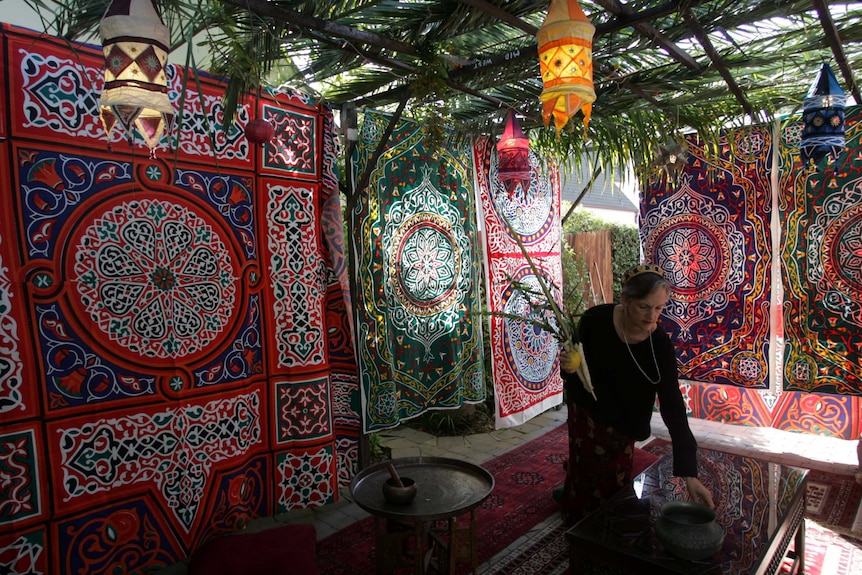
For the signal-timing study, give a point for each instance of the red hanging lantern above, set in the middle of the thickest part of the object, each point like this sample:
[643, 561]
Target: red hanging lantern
[513, 152]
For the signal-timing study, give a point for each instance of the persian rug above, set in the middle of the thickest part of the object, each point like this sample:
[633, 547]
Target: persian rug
[522, 499]
[828, 552]
[524, 480]
[708, 227]
[169, 324]
[546, 553]
[524, 359]
[832, 500]
[419, 340]
[821, 225]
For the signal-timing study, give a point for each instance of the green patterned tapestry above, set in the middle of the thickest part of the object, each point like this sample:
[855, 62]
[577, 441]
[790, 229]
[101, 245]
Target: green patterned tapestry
[822, 257]
[419, 340]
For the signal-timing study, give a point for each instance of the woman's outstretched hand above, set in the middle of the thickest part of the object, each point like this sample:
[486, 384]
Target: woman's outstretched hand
[698, 492]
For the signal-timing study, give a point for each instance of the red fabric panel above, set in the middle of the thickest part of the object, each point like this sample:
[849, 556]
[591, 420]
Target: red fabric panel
[283, 550]
[641, 460]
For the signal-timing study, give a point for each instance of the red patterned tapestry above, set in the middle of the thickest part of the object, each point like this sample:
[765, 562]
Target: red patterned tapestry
[722, 319]
[822, 264]
[419, 342]
[524, 360]
[708, 227]
[820, 413]
[175, 359]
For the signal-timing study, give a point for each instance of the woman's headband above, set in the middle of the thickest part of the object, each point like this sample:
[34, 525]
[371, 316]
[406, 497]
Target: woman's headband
[641, 269]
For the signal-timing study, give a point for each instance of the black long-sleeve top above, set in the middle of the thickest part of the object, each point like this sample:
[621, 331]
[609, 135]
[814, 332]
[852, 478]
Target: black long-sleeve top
[625, 398]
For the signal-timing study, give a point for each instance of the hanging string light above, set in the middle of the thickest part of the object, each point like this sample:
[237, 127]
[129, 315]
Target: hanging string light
[513, 152]
[823, 118]
[566, 60]
[135, 44]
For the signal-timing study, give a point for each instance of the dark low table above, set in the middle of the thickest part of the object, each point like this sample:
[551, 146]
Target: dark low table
[759, 504]
[404, 534]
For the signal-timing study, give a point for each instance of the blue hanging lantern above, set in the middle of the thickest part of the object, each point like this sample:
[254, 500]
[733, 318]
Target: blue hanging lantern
[823, 118]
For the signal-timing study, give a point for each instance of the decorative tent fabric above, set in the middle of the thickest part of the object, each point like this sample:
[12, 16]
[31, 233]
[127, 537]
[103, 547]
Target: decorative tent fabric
[808, 378]
[419, 342]
[343, 374]
[709, 230]
[171, 367]
[524, 360]
[822, 265]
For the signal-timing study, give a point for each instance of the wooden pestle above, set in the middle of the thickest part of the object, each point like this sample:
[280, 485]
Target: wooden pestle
[394, 475]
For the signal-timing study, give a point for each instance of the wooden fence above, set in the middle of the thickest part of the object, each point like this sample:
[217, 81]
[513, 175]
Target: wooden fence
[594, 248]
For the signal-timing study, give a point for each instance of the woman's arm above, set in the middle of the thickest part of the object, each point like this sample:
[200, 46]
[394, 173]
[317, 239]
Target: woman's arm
[672, 409]
[672, 406]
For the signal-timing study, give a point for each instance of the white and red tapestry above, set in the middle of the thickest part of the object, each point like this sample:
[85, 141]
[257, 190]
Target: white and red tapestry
[176, 359]
[524, 359]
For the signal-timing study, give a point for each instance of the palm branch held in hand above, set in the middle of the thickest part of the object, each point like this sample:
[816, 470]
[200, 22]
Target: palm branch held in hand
[546, 313]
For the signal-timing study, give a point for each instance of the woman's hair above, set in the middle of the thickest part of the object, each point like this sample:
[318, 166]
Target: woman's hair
[643, 281]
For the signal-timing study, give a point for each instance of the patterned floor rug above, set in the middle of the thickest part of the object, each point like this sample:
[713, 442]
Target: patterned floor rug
[524, 480]
[522, 500]
[826, 553]
[547, 553]
[832, 500]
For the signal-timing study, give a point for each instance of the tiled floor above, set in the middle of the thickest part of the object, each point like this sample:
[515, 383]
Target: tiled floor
[803, 450]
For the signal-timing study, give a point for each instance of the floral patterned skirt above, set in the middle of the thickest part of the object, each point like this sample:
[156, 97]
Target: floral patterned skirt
[600, 464]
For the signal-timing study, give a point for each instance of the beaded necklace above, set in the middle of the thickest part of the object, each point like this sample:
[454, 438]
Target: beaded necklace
[634, 359]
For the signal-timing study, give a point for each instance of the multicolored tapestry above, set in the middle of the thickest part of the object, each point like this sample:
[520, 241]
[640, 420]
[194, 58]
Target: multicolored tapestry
[174, 359]
[819, 413]
[419, 341]
[822, 264]
[343, 373]
[708, 227]
[806, 334]
[524, 360]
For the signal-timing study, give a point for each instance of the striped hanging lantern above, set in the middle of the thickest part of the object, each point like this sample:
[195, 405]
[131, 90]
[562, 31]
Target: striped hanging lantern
[566, 59]
[135, 44]
[513, 153]
[823, 118]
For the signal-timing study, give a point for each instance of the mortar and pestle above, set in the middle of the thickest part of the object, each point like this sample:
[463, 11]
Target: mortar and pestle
[398, 490]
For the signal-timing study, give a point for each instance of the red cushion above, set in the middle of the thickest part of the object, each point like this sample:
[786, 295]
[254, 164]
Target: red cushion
[287, 550]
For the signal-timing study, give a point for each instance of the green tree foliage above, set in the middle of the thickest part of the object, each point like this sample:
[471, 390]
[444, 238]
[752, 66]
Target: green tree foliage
[625, 253]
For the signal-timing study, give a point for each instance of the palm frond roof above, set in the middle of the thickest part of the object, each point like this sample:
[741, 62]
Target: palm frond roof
[660, 66]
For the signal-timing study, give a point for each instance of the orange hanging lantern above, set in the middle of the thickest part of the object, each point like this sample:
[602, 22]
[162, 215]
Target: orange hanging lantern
[566, 58]
[513, 152]
[135, 44]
